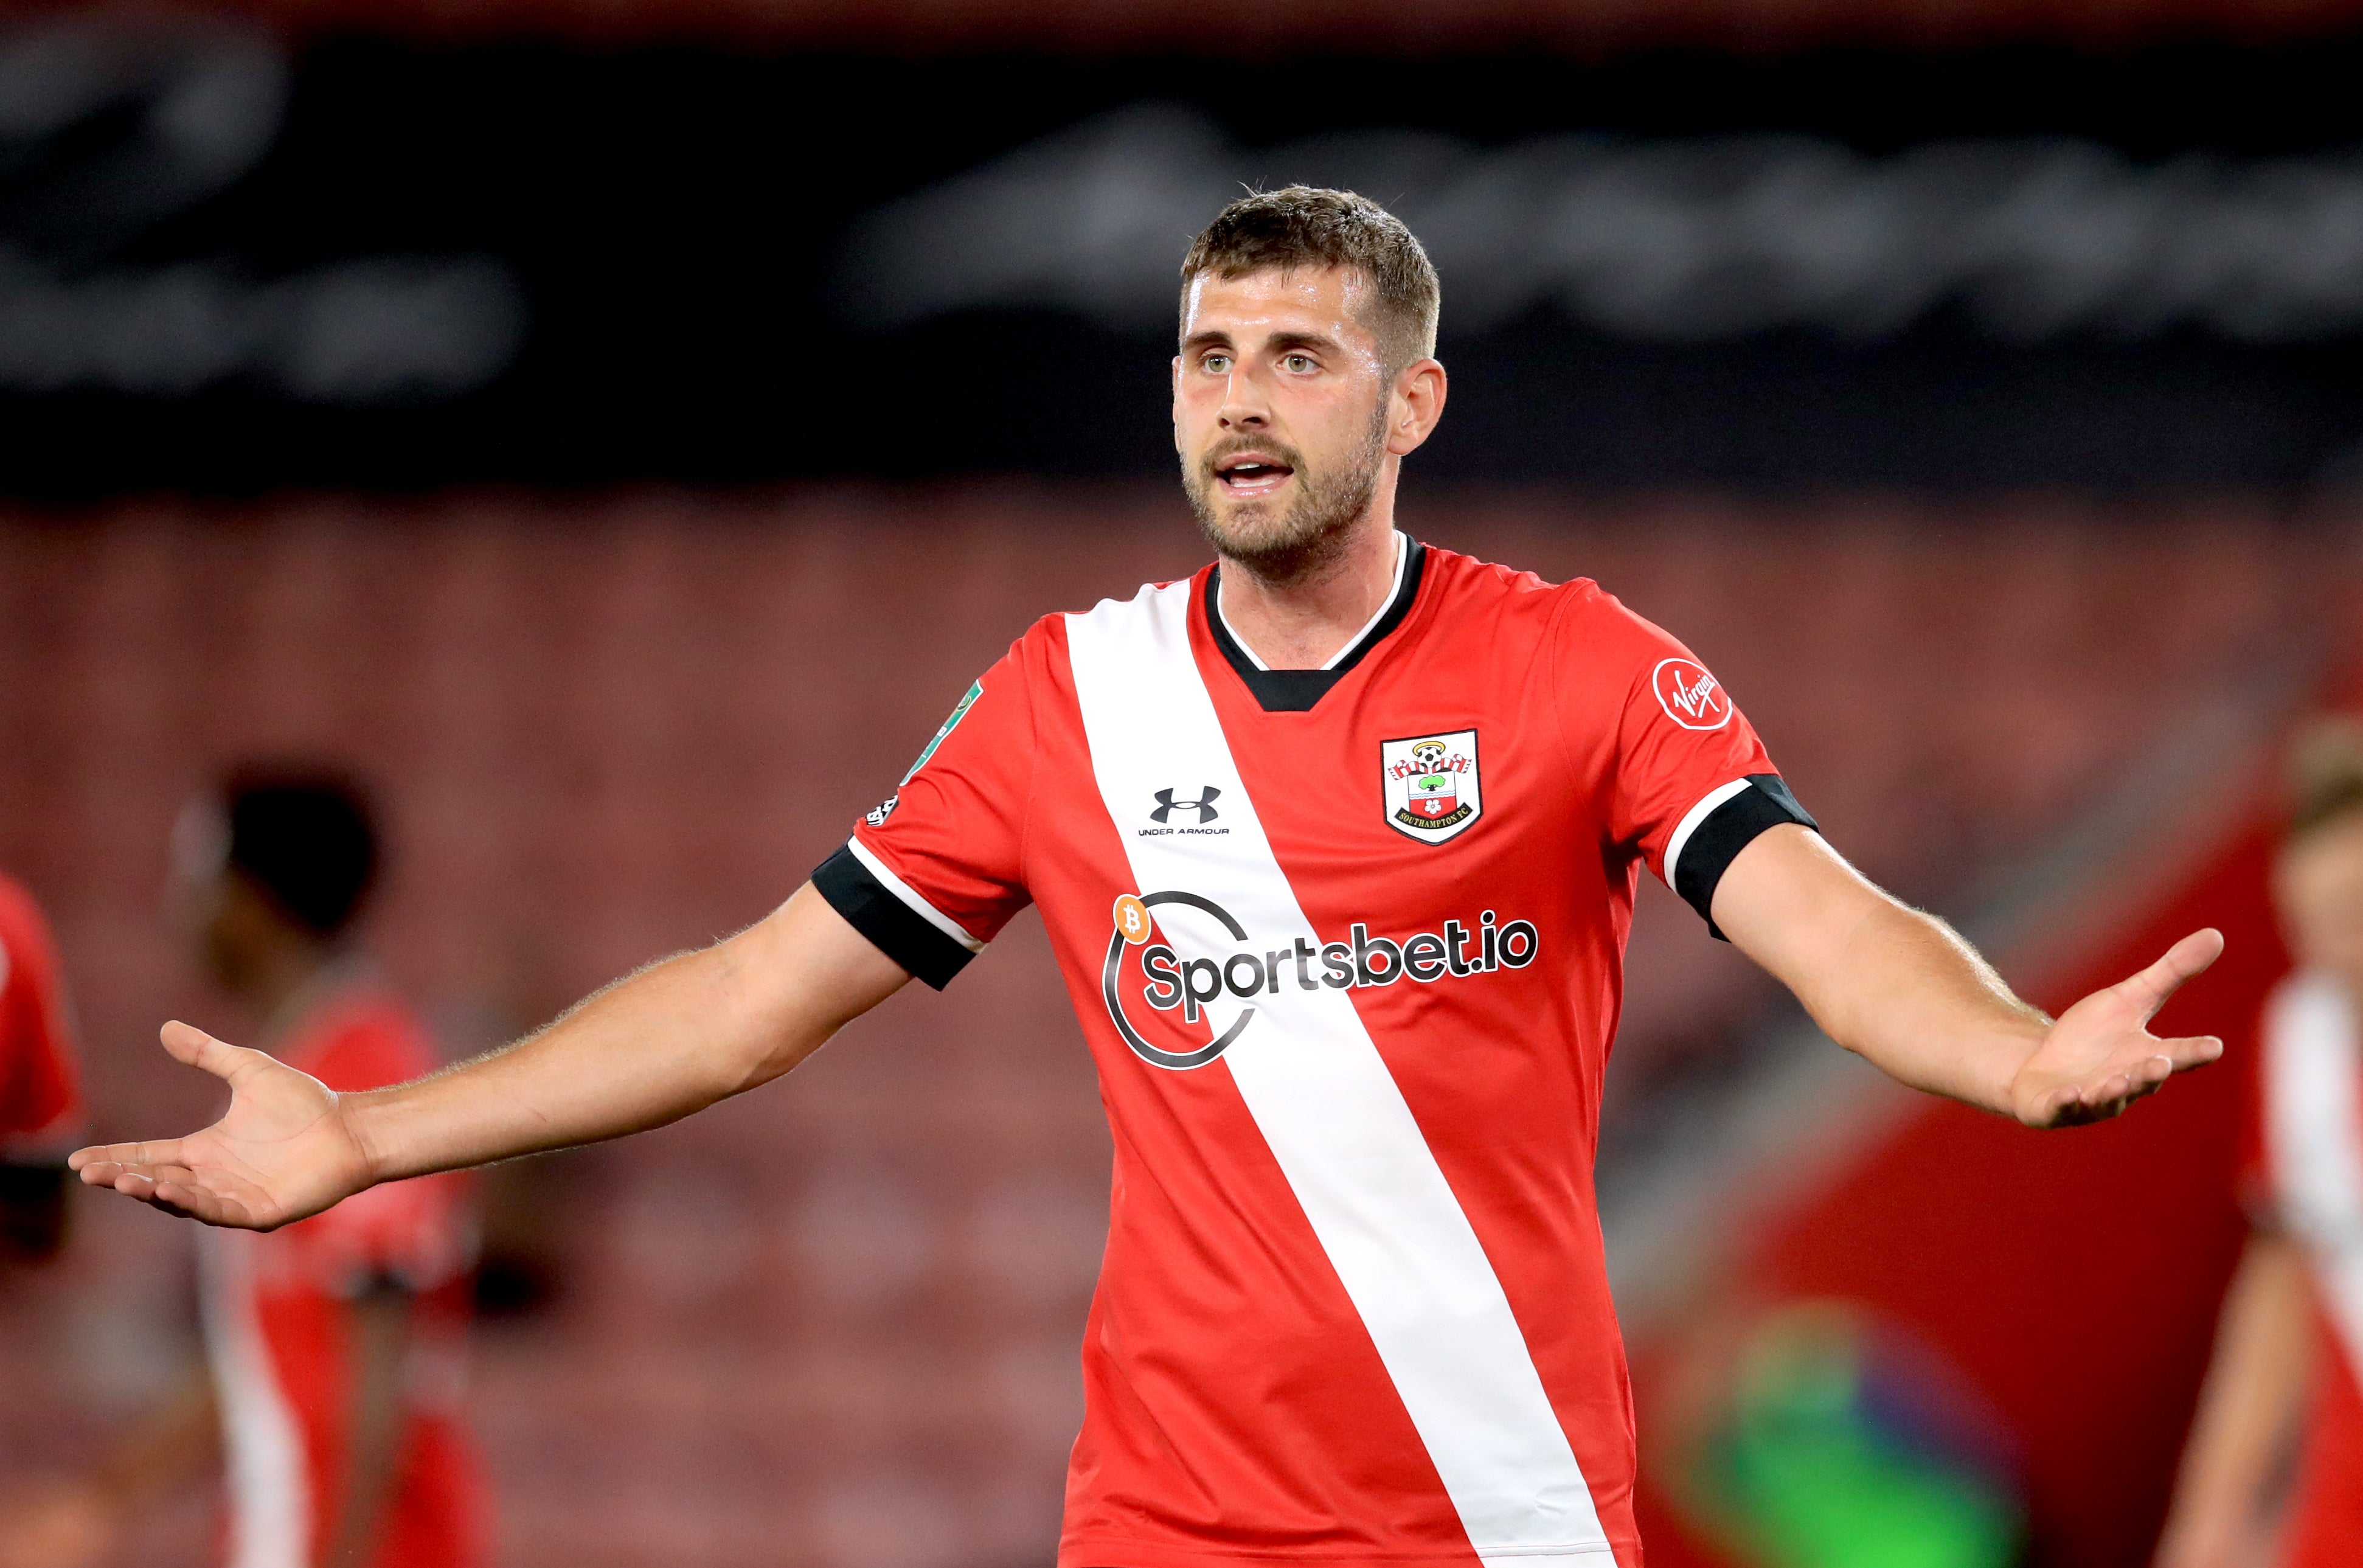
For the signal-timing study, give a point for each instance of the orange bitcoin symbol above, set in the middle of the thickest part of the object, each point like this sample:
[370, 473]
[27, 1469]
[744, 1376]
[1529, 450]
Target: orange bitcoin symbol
[1132, 919]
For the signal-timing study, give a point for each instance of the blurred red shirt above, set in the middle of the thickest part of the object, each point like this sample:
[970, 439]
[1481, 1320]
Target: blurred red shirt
[2305, 1178]
[279, 1311]
[40, 1097]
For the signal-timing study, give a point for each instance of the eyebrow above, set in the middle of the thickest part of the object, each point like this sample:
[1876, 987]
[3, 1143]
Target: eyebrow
[1280, 342]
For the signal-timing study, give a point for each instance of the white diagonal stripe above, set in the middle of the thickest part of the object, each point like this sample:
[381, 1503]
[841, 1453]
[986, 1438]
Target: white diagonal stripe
[2313, 1107]
[1335, 1119]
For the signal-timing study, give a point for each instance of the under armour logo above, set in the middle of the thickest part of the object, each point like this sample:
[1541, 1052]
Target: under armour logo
[1204, 805]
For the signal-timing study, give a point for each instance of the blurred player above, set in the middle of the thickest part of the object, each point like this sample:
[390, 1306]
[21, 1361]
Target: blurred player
[334, 1344]
[40, 1097]
[1336, 842]
[2288, 1374]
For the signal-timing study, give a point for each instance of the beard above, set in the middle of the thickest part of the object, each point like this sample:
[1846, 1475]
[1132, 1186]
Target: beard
[1292, 543]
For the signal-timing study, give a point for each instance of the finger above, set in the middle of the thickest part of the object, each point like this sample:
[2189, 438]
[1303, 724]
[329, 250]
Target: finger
[194, 1046]
[2060, 1106]
[163, 1151]
[138, 1180]
[201, 1204]
[2114, 1087]
[2099, 1103]
[2189, 1052]
[2076, 1105]
[2186, 958]
[179, 1192]
[2148, 1075]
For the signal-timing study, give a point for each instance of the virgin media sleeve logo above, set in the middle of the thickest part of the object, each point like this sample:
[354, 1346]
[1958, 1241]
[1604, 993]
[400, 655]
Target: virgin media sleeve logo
[1691, 698]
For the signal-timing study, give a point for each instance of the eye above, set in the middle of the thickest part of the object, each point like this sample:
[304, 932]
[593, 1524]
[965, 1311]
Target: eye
[1297, 364]
[1216, 364]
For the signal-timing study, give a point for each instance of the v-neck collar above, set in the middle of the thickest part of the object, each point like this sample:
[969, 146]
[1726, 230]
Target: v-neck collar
[1295, 691]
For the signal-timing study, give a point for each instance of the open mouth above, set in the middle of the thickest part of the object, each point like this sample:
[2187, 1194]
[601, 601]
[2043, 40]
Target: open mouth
[1245, 476]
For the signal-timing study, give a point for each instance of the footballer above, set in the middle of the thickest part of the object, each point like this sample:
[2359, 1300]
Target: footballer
[1337, 844]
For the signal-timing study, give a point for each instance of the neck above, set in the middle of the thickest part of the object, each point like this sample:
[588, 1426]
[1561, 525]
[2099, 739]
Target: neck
[1304, 620]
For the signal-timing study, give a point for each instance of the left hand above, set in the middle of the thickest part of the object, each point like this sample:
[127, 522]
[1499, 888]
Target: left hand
[2100, 1057]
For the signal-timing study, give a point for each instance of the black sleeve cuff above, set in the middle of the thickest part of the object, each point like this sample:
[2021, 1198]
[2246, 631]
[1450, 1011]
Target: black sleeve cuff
[1728, 829]
[893, 927]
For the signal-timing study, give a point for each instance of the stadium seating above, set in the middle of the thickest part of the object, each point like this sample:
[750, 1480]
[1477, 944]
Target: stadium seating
[606, 731]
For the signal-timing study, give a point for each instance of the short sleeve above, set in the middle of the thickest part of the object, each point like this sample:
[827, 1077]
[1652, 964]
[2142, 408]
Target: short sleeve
[40, 1095]
[937, 869]
[1679, 774]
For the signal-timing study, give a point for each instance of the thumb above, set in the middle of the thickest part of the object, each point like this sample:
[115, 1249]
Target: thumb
[2188, 957]
[194, 1047]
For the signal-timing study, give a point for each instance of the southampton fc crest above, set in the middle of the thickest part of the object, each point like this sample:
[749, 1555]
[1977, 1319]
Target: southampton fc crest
[1430, 785]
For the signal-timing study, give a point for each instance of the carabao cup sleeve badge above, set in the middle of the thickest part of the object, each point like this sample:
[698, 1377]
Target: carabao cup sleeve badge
[1429, 785]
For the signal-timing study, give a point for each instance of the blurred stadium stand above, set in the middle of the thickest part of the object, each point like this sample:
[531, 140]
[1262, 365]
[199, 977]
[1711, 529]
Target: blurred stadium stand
[837, 1323]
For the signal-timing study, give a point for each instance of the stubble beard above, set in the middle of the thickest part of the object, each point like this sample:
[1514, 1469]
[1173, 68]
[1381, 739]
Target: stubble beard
[1299, 542]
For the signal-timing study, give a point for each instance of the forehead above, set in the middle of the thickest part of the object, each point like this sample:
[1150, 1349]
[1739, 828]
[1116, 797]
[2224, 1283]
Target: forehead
[1327, 300]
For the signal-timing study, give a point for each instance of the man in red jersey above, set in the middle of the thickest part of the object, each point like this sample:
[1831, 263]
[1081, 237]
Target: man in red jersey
[2288, 1373]
[334, 1342]
[40, 1097]
[1336, 843]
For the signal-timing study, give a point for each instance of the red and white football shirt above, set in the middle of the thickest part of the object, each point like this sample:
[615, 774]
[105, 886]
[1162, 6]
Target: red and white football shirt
[2305, 1172]
[41, 1096]
[1346, 945]
[278, 1321]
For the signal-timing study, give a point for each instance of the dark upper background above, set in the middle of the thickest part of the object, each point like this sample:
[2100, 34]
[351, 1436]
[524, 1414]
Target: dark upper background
[235, 264]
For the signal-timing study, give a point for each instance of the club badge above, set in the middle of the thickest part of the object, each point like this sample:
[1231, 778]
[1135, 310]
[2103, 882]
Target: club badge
[1430, 785]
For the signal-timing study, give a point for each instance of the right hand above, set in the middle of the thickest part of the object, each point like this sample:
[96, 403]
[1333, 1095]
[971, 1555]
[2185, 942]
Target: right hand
[285, 1148]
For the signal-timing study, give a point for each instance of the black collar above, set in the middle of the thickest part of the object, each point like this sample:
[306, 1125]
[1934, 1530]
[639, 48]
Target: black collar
[1295, 691]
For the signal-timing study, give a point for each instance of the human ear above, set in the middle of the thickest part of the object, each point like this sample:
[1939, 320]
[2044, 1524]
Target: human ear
[1414, 405]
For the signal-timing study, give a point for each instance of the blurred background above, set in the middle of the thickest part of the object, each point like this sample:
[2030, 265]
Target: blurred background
[619, 430]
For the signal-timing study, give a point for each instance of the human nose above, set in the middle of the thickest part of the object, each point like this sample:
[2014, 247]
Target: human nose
[1245, 408]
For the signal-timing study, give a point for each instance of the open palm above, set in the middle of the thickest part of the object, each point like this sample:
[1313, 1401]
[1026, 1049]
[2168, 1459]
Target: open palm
[2100, 1057]
[282, 1149]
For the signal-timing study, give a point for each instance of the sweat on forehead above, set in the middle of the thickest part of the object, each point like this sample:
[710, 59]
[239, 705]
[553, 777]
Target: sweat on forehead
[1321, 303]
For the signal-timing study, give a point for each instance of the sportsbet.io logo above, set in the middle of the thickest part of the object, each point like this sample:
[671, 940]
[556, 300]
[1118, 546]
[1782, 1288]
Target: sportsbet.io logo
[1183, 978]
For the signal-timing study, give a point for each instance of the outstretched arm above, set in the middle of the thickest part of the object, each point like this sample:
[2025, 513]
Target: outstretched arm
[1902, 989]
[670, 1039]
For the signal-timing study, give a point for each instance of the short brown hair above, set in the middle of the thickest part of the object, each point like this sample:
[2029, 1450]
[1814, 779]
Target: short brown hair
[2326, 775]
[1305, 226]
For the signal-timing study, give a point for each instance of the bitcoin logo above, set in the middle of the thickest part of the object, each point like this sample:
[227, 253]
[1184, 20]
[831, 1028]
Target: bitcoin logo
[1132, 919]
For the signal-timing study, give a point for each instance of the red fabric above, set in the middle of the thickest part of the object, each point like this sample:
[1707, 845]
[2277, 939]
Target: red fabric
[2325, 1512]
[1235, 1406]
[40, 1097]
[303, 1279]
